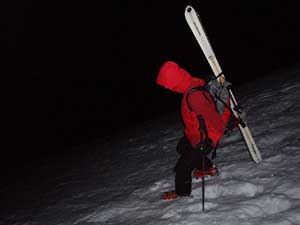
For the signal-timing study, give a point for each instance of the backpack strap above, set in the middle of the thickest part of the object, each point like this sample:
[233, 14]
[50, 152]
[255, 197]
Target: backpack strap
[191, 91]
[203, 129]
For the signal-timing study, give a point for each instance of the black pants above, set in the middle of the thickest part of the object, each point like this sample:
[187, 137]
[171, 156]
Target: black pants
[189, 160]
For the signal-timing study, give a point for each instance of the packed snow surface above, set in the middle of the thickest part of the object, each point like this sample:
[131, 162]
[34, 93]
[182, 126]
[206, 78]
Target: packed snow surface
[120, 181]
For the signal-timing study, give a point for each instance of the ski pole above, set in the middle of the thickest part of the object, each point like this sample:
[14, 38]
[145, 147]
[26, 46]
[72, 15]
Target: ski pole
[203, 147]
[203, 183]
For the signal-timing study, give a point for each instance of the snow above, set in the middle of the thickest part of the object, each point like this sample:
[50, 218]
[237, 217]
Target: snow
[120, 181]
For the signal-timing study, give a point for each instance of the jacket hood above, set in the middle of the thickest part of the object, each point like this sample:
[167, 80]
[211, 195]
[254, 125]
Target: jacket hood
[173, 77]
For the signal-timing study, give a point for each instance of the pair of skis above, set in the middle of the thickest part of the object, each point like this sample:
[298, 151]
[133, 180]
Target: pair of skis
[194, 23]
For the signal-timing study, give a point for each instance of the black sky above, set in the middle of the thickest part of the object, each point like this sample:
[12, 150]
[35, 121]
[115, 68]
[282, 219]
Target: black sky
[76, 72]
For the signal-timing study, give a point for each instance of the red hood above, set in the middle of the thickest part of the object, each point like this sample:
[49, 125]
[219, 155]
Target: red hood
[173, 77]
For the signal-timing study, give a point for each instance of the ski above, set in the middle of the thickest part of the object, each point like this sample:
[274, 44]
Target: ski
[195, 25]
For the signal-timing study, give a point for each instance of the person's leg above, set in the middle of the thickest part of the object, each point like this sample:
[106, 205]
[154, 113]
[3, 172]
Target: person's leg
[183, 178]
[188, 161]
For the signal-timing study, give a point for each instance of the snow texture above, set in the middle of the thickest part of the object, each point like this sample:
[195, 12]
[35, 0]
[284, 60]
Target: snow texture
[120, 181]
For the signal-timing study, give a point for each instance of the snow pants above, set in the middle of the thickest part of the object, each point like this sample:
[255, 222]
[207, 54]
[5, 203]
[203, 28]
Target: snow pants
[189, 160]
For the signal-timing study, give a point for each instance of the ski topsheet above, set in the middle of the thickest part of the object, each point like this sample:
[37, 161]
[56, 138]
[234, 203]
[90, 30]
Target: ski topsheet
[194, 23]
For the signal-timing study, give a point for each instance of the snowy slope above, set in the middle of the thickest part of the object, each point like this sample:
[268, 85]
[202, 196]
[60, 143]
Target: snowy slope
[126, 186]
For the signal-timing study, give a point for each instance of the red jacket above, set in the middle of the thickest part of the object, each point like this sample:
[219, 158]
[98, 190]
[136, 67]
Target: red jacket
[174, 78]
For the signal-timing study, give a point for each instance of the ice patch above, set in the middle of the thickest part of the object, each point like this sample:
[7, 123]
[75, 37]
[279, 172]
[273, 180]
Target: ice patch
[160, 185]
[231, 188]
[262, 206]
[172, 213]
[294, 216]
[293, 193]
[289, 190]
[272, 222]
[197, 208]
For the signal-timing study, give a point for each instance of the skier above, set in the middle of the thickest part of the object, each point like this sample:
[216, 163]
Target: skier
[205, 117]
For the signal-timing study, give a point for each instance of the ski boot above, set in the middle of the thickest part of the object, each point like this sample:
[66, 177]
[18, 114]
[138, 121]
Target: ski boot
[212, 171]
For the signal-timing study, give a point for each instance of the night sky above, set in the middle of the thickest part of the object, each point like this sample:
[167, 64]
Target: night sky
[76, 72]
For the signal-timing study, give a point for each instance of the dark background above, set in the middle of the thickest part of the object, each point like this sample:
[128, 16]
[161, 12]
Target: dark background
[76, 72]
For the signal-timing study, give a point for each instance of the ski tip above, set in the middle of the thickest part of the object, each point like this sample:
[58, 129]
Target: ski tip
[188, 8]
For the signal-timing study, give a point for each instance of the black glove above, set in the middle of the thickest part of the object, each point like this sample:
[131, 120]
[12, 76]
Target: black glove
[232, 123]
[206, 146]
[238, 109]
